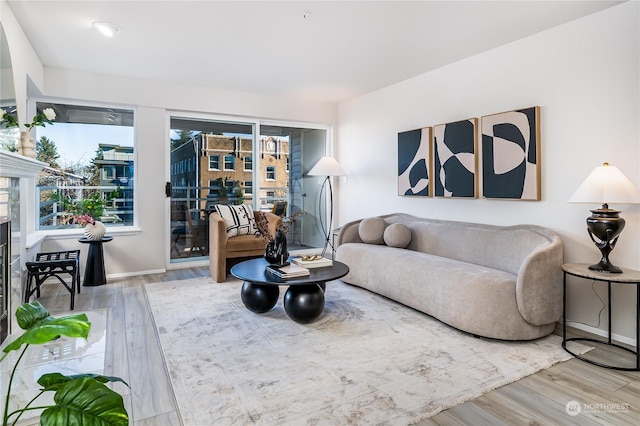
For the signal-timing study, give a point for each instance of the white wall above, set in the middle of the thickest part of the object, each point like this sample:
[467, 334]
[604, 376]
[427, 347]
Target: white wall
[24, 60]
[585, 77]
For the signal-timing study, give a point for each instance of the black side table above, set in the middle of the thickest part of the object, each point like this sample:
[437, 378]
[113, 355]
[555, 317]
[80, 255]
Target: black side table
[628, 276]
[94, 273]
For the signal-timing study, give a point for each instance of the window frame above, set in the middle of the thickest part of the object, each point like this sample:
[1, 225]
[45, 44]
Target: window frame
[266, 175]
[32, 105]
[232, 161]
[218, 161]
[245, 160]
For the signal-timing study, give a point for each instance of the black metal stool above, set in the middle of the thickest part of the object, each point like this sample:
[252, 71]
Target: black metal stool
[54, 264]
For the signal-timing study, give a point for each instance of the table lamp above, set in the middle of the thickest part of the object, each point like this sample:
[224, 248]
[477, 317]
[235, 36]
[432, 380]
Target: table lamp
[327, 166]
[606, 184]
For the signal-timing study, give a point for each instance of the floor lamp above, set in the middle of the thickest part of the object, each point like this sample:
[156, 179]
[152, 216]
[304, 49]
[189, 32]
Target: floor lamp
[328, 167]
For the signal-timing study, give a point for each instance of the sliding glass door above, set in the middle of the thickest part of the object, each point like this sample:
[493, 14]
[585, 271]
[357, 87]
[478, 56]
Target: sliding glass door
[226, 162]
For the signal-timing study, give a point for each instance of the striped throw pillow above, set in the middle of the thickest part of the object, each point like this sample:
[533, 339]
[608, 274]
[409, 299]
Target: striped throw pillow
[239, 220]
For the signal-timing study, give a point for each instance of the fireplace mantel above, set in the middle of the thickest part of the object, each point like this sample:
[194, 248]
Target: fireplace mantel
[24, 170]
[16, 165]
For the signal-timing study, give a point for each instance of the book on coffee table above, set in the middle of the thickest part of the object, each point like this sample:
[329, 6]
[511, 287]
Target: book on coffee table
[288, 271]
[316, 263]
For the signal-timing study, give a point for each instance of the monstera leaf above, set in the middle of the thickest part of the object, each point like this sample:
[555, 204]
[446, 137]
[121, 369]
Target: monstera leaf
[40, 327]
[85, 401]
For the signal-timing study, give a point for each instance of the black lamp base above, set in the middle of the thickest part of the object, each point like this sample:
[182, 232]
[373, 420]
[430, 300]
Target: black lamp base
[605, 266]
[604, 227]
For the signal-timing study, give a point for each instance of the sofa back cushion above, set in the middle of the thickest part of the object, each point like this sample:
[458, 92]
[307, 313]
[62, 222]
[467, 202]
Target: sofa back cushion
[499, 247]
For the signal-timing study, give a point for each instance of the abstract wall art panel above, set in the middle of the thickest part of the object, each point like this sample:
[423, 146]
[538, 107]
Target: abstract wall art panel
[455, 161]
[511, 155]
[414, 159]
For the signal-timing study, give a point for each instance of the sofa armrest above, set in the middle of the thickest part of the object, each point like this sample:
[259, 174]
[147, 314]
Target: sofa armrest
[349, 233]
[539, 283]
[217, 248]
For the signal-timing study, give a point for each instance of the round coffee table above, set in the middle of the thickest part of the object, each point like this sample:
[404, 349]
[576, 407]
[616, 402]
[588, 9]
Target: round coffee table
[304, 299]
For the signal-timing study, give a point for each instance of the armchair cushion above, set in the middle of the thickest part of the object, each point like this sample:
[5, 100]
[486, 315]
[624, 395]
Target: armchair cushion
[239, 220]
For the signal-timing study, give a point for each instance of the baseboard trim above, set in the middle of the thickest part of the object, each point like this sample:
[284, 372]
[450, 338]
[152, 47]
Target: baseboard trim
[616, 338]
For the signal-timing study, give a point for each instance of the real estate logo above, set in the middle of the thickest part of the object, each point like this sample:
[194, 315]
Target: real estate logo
[573, 408]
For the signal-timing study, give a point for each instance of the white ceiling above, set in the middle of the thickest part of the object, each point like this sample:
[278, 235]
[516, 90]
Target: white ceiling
[342, 50]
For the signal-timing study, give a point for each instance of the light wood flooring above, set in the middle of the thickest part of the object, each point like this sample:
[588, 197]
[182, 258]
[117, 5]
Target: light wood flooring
[605, 397]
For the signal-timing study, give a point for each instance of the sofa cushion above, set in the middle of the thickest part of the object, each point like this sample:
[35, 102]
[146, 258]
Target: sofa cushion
[239, 220]
[371, 230]
[397, 235]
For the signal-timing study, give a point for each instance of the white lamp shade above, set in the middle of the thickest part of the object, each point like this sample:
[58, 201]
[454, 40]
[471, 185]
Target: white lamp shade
[327, 166]
[606, 184]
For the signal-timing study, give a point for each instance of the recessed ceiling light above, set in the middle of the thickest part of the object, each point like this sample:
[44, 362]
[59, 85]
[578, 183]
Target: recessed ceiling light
[106, 28]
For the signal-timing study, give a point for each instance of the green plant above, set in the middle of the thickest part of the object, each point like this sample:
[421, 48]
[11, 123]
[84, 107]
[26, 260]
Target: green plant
[45, 117]
[81, 399]
[92, 205]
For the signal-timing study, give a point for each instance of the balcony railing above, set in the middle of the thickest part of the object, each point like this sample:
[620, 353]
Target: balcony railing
[55, 214]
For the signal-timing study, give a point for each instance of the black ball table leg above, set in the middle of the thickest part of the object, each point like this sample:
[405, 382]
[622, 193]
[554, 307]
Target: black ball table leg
[259, 298]
[304, 303]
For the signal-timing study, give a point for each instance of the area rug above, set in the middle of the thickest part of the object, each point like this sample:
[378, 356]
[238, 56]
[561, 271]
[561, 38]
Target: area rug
[367, 360]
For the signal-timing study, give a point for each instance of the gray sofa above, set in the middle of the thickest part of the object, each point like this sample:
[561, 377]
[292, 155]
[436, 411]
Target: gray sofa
[492, 281]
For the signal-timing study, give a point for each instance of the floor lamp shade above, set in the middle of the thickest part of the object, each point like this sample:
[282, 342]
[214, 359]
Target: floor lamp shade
[606, 184]
[327, 166]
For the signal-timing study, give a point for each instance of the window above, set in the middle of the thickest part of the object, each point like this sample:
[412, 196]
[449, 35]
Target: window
[248, 163]
[229, 162]
[271, 173]
[108, 172]
[248, 187]
[214, 162]
[90, 153]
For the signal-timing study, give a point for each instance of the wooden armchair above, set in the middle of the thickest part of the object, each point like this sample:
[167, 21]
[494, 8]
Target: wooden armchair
[222, 248]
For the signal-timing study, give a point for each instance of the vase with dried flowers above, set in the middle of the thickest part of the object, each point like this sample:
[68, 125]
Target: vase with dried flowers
[276, 251]
[26, 145]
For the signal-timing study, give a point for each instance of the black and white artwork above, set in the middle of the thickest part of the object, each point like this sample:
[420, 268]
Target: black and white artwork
[414, 159]
[455, 159]
[510, 155]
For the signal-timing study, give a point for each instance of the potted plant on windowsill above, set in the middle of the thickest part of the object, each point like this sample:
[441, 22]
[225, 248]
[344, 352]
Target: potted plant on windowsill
[25, 145]
[78, 399]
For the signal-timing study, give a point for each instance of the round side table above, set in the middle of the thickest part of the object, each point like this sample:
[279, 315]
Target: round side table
[94, 273]
[627, 277]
